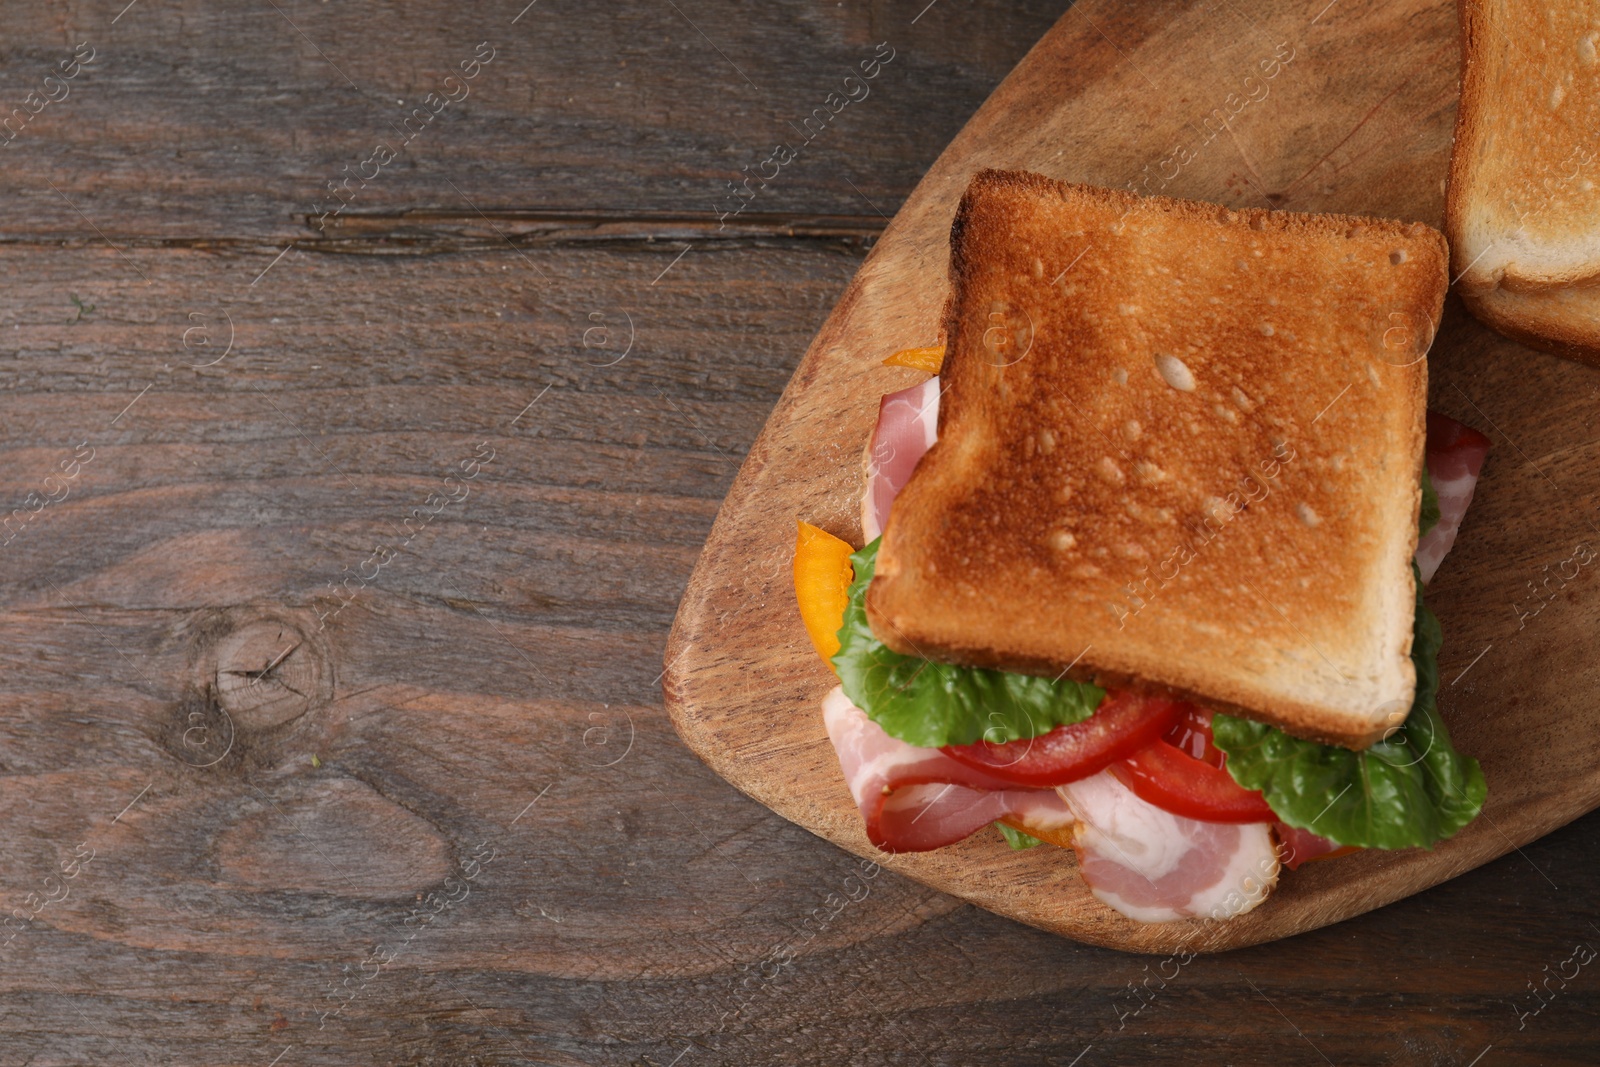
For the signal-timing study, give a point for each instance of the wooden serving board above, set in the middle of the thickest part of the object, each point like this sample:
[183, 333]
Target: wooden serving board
[1356, 117]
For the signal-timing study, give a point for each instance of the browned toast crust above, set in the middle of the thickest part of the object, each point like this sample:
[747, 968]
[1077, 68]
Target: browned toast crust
[1179, 447]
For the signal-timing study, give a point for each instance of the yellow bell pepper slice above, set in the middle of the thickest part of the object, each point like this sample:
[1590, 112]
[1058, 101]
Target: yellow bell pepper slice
[822, 577]
[928, 359]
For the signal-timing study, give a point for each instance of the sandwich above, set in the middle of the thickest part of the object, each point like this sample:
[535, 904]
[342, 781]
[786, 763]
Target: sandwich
[1142, 574]
[1522, 208]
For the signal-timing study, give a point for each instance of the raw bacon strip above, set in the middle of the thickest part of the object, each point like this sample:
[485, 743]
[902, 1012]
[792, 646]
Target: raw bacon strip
[919, 818]
[915, 799]
[1153, 866]
[908, 424]
[1454, 457]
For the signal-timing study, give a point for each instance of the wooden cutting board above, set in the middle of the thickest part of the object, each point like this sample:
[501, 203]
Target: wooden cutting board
[1345, 106]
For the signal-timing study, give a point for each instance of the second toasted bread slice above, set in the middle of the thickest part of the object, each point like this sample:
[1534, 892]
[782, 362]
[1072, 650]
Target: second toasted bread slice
[1523, 206]
[1179, 448]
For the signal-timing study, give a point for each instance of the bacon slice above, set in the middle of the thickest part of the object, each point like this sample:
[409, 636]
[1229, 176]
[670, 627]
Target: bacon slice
[1155, 867]
[1455, 455]
[915, 799]
[908, 424]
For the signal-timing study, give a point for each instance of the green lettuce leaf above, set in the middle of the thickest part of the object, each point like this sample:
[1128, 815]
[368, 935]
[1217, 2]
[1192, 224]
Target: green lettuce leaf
[1430, 506]
[1016, 838]
[1411, 789]
[932, 704]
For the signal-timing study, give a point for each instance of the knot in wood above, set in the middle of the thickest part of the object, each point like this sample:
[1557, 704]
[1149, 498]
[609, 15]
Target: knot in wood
[266, 673]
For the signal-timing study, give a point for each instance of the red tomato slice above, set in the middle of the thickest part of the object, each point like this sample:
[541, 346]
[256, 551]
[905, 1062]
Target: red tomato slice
[1183, 773]
[1192, 734]
[1123, 724]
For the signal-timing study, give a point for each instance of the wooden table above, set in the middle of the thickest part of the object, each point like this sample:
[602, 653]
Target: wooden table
[358, 445]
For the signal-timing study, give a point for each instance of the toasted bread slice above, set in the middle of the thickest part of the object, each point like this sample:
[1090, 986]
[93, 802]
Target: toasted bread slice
[1179, 448]
[1523, 205]
[1562, 319]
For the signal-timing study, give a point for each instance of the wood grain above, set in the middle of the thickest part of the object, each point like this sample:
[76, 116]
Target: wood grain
[195, 122]
[638, 913]
[1071, 121]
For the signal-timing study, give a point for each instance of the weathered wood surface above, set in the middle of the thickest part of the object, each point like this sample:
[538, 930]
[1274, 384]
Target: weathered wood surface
[195, 122]
[488, 703]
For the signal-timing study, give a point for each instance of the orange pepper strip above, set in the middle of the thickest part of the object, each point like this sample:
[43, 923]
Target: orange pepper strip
[822, 577]
[928, 359]
[1050, 835]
